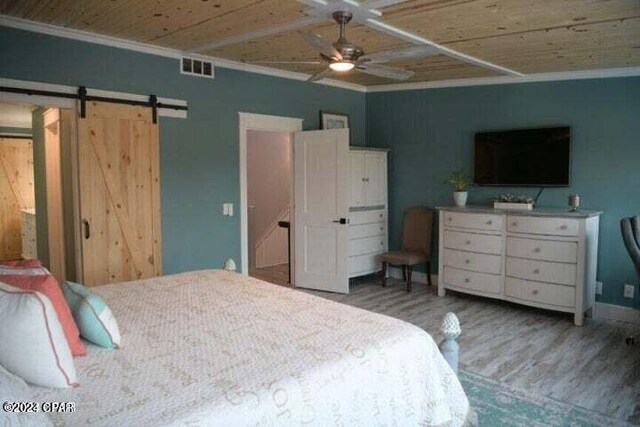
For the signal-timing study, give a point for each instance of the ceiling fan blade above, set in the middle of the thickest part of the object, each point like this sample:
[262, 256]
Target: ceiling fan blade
[320, 44]
[385, 71]
[402, 54]
[319, 76]
[288, 62]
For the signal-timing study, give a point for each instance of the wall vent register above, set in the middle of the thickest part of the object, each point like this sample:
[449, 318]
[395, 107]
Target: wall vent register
[196, 67]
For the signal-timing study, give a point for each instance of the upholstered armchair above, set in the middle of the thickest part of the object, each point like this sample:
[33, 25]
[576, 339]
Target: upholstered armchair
[631, 237]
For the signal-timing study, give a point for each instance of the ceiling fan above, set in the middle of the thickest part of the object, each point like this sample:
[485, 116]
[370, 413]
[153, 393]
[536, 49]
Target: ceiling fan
[342, 56]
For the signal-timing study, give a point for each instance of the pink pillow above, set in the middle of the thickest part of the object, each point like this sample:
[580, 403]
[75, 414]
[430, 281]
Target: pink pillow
[22, 263]
[48, 286]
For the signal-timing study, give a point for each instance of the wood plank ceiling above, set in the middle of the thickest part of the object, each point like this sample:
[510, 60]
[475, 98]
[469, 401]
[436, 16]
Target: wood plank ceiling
[528, 36]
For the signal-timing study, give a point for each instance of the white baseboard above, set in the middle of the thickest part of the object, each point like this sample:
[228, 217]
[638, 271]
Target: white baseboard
[617, 312]
[602, 310]
[417, 276]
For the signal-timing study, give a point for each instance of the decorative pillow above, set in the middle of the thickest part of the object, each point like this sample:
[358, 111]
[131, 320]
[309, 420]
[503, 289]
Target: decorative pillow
[92, 315]
[14, 389]
[24, 271]
[22, 263]
[33, 343]
[48, 286]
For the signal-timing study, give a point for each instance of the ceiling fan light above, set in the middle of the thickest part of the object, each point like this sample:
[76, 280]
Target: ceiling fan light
[342, 66]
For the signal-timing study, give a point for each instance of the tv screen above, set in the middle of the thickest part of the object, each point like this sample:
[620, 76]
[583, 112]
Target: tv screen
[523, 157]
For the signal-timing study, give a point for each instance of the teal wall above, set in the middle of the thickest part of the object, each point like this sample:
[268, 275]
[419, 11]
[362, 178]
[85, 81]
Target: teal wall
[430, 133]
[8, 130]
[199, 155]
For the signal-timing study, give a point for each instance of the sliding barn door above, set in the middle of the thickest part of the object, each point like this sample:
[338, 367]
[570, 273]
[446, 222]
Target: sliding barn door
[321, 204]
[16, 193]
[118, 156]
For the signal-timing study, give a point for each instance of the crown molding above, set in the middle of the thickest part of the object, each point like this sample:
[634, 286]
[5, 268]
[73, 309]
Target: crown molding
[88, 37]
[605, 73]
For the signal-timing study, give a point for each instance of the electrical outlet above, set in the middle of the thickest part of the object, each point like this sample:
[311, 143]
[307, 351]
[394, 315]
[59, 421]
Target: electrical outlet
[628, 291]
[598, 288]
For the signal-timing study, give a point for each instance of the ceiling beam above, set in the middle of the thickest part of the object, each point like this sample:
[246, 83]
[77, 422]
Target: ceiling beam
[366, 15]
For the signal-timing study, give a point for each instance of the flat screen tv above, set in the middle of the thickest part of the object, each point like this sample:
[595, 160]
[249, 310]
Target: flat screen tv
[523, 157]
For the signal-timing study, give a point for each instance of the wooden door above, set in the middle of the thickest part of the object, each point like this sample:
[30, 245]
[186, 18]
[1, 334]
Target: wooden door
[376, 178]
[119, 178]
[321, 204]
[356, 178]
[16, 193]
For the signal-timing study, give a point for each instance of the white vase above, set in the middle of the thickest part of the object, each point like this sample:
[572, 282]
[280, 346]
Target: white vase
[460, 197]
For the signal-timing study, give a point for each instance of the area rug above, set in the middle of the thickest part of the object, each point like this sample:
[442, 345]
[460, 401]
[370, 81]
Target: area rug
[497, 404]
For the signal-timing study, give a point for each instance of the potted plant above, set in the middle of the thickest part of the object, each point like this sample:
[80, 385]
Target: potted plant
[460, 181]
[509, 201]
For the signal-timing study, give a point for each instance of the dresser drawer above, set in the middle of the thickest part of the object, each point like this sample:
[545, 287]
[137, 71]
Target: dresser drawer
[547, 226]
[368, 245]
[366, 230]
[473, 221]
[541, 271]
[482, 243]
[546, 250]
[482, 282]
[472, 261]
[367, 217]
[545, 293]
[364, 264]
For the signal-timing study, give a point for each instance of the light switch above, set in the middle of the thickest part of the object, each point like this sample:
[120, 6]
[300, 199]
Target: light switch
[227, 209]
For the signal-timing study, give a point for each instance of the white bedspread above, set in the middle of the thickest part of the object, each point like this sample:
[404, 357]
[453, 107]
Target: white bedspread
[220, 349]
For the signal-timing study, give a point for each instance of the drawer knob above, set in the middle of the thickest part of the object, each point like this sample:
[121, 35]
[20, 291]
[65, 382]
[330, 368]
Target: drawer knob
[537, 250]
[468, 242]
[467, 280]
[536, 271]
[381, 243]
[450, 219]
[467, 261]
[514, 223]
[563, 227]
[489, 222]
[380, 215]
[535, 292]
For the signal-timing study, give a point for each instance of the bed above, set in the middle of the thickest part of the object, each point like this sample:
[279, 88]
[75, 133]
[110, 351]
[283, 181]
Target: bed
[218, 348]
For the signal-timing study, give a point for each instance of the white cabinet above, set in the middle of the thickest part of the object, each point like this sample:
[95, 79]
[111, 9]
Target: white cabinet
[368, 237]
[368, 182]
[545, 258]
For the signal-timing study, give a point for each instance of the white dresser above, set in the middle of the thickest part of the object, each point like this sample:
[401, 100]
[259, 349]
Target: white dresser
[368, 236]
[545, 258]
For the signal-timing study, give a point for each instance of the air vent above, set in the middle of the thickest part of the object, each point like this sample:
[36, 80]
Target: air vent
[196, 67]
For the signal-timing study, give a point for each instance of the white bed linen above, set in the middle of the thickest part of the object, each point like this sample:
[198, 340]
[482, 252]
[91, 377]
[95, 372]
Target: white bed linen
[220, 349]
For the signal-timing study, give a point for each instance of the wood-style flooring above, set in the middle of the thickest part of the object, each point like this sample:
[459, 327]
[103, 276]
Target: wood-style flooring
[278, 274]
[535, 350]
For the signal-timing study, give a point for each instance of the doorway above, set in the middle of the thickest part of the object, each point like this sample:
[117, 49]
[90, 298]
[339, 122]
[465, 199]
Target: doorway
[34, 185]
[269, 203]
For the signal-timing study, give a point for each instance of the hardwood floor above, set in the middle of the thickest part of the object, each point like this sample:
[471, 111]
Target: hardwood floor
[535, 350]
[277, 274]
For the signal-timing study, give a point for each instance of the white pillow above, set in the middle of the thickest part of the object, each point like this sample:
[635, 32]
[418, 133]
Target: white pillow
[14, 389]
[34, 346]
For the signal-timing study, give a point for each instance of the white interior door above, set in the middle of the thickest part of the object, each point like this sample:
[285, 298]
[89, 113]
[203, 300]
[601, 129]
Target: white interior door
[321, 201]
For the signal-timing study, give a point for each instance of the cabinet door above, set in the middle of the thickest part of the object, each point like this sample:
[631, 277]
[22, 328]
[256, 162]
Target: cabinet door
[375, 179]
[357, 179]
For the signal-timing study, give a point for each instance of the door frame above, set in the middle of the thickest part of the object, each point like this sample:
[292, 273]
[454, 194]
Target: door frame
[258, 122]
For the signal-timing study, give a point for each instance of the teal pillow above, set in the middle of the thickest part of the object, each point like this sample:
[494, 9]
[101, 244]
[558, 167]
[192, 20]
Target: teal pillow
[92, 315]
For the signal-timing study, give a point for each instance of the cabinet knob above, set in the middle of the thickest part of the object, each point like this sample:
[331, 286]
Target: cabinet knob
[381, 243]
[537, 250]
[489, 222]
[449, 219]
[381, 228]
[563, 227]
[467, 280]
[468, 242]
[514, 223]
[535, 292]
[536, 271]
[380, 215]
[467, 261]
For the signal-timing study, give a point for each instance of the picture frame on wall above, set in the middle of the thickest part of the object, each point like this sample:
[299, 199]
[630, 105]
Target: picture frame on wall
[333, 120]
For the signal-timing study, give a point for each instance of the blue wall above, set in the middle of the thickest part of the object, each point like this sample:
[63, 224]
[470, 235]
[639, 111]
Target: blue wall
[430, 133]
[199, 155]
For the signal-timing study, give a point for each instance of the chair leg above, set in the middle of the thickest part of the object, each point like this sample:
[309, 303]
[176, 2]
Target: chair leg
[384, 274]
[409, 272]
[404, 273]
[429, 273]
